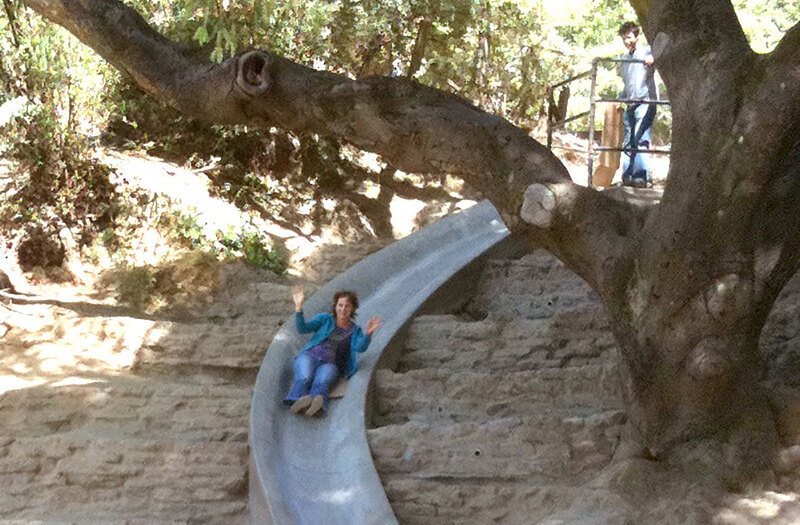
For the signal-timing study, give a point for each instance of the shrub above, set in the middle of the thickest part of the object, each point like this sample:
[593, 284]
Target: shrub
[57, 177]
[46, 138]
[255, 249]
[247, 243]
[185, 278]
[135, 286]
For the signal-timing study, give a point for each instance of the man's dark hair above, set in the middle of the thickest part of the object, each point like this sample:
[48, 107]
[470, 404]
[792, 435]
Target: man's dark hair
[629, 27]
[351, 296]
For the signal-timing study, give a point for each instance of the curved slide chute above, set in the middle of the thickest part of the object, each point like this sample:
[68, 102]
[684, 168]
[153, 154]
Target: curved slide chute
[314, 471]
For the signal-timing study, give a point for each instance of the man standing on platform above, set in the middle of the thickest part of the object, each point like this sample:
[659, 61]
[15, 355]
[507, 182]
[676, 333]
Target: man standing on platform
[638, 74]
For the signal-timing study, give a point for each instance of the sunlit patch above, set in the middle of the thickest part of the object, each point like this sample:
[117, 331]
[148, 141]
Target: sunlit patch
[563, 12]
[52, 358]
[339, 497]
[20, 368]
[769, 505]
[404, 213]
[76, 381]
[371, 190]
[9, 383]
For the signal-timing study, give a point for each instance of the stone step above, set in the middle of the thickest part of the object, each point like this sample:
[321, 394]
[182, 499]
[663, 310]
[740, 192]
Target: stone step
[66, 479]
[428, 331]
[478, 501]
[454, 343]
[478, 396]
[507, 418]
[535, 286]
[239, 298]
[541, 446]
[129, 407]
[224, 351]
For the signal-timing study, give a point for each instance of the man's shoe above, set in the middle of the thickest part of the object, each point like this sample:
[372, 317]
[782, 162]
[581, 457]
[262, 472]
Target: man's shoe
[316, 407]
[301, 404]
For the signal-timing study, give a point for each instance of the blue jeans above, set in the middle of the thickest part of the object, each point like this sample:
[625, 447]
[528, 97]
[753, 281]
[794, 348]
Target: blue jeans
[638, 122]
[312, 378]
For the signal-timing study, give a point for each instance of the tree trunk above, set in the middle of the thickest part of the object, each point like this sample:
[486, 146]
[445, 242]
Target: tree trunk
[712, 257]
[424, 27]
[695, 374]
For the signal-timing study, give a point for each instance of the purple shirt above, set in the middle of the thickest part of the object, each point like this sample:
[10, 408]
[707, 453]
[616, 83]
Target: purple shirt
[335, 348]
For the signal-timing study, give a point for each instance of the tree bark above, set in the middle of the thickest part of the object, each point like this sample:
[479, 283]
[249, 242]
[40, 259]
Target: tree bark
[688, 283]
[711, 258]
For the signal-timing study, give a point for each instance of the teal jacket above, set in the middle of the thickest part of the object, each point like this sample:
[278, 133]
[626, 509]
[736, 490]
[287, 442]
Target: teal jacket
[322, 325]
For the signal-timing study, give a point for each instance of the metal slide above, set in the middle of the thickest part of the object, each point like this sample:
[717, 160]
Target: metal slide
[320, 471]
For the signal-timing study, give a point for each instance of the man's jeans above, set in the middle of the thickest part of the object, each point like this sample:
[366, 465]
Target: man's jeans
[311, 377]
[638, 121]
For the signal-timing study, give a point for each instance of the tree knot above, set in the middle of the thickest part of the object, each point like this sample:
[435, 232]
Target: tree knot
[253, 76]
[538, 205]
[707, 361]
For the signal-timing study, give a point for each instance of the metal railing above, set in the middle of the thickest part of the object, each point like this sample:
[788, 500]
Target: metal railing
[591, 149]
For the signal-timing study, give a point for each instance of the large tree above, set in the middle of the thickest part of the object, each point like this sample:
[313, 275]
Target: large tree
[688, 283]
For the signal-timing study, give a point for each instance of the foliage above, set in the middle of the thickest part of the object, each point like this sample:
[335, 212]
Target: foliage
[257, 251]
[765, 22]
[57, 178]
[246, 243]
[46, 137]
[189, 230]
[496, 53]
[189, 261]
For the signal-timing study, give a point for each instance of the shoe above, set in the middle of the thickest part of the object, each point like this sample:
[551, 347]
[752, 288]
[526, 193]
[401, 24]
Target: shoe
[316, 407]
[301, 404]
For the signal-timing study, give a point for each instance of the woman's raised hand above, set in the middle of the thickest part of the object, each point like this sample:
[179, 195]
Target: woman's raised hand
[373, 324]
[299, 297]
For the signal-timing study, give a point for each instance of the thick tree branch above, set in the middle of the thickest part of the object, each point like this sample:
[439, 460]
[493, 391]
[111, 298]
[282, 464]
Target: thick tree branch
[551, 210]
[783, 66]
[12, 21]
[415, 128]
[788, 49]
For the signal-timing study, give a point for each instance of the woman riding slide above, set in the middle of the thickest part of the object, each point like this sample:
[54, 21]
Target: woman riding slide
[330, 354]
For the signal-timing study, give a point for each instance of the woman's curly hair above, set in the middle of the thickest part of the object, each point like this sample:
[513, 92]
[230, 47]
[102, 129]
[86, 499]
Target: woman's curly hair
[351, 296]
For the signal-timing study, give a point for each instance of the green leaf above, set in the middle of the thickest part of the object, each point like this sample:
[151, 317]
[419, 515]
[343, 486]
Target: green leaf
[201, 35]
